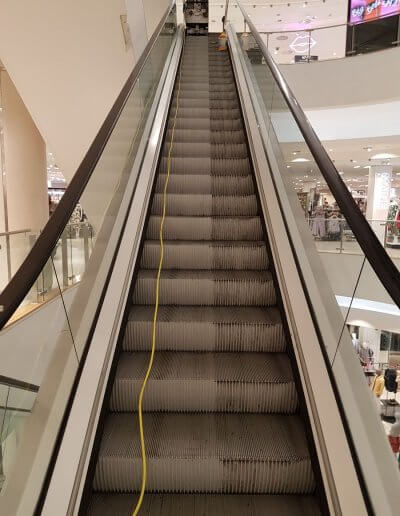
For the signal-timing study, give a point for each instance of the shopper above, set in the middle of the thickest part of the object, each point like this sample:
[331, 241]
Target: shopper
[378, 383]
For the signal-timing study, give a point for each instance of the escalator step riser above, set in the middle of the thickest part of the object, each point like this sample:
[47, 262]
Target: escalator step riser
[200, 150]
[203, 504]
[191, 453]
[204, 396]
[206, 136]
[202, 256]
[205, 205]
[206, 165]
[206, 184]
[206, 228]
[205, 292]
[205, 336]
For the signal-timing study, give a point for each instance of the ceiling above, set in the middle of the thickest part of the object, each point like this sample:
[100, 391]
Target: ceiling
[351, 157]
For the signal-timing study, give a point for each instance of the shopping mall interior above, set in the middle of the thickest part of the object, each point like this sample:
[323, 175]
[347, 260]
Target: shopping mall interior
[199, 257]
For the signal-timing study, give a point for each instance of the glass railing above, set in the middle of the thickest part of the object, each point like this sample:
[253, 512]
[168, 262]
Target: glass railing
[64, 270]
[366, 271]
[16, 402]
[332, 234]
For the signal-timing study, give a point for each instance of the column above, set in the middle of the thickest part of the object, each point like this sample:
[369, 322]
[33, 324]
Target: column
[378, 199]
[24, 175]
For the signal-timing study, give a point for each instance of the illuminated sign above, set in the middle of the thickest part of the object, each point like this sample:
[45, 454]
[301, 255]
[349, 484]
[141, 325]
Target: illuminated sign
[367, 10]
[302, 43]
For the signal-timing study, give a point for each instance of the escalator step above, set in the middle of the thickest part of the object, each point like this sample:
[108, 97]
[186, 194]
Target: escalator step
[206, 228]
[206, 184]
[209, 288]
[206, 382]
[180, 254]
[209, 453]
[206, 205]
[204, 505]
[197, 328]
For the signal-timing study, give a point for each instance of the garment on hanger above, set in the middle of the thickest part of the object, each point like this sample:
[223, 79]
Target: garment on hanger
[390, 380]
[378, 385]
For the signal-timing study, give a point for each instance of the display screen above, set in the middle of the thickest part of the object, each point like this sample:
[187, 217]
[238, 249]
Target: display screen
[367, 10]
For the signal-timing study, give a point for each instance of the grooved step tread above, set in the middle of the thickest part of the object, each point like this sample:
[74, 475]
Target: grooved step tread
[192, 254]
[206, 287]
[203, 328]
[205, 228]
[204, 505]
[218, 453]
[206, 205]
[206, 382]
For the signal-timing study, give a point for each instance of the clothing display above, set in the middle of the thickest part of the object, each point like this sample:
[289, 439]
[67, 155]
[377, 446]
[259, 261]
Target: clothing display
[390, 380]
[377, 385]
[318, 223]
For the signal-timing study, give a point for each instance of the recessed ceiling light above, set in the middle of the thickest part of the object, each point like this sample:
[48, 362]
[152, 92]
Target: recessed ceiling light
[341, 173]
[357, 166]
[295, 152]
[366, 166]
[330, 150]
[384, 155]
[287, 166]
[368, 149]
[299, 160]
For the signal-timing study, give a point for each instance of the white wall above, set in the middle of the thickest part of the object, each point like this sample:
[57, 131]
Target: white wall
[137, 24]
[153, 10]
[365, 79]
[68, 62]
[25, 163]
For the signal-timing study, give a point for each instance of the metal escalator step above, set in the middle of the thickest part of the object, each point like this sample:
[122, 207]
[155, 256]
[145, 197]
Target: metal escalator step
[206, 136]
[205, 205]
[206, 165]
[205, 150]
[215, 453]
[210, 288]
[206, 184]
[206, 382]
[203, 505]
[197, 328]
[205, 255]
[206, 228]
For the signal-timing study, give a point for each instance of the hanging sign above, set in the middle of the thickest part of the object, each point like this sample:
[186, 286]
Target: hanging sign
[367, 10]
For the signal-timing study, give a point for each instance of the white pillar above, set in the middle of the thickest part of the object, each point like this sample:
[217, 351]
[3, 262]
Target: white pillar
[379, 185]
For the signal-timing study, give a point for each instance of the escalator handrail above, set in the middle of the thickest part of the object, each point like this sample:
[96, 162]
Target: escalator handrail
[375, 253]
[18, 384]
[23, 280]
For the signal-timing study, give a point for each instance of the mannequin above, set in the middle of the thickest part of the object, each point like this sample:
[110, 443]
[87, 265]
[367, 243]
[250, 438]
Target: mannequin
[318, 223]
[378, 384]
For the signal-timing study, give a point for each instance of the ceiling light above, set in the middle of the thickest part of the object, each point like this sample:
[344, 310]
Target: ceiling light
[341, 173]
[295, 152]
[330, 150]
[357, 166]
[287, 166]
[366, 166]
[384, 155]
[299, 160]
[368, 149]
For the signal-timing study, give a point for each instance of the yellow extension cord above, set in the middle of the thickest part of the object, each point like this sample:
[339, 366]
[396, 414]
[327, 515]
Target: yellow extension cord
[153, 339]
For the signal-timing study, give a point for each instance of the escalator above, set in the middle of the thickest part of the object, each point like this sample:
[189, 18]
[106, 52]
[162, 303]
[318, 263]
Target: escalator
[255, 403]
[221, 406]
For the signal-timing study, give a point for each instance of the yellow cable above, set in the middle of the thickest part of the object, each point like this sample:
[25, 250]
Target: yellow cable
[153, 340]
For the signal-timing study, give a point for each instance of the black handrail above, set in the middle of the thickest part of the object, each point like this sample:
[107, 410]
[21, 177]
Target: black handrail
[18, 287]
[378, 258]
